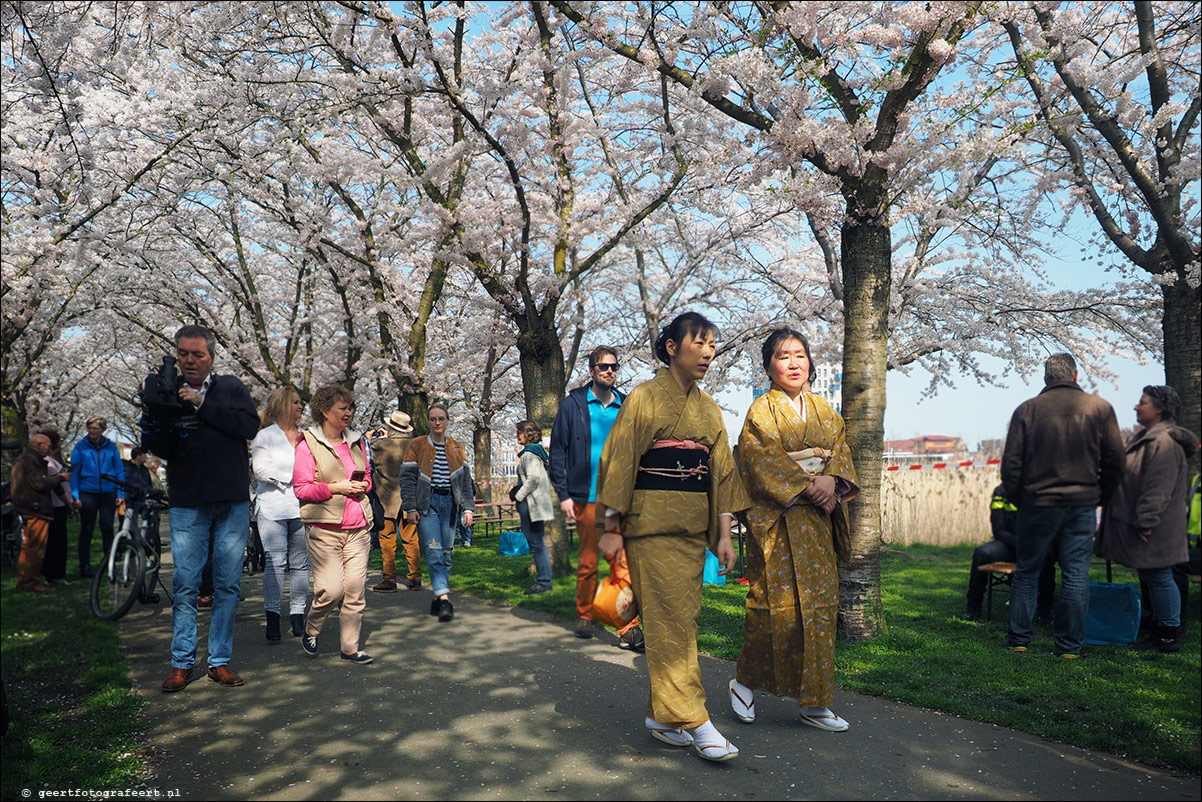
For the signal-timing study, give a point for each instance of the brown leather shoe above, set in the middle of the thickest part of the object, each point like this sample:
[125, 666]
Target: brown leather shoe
[413, 584]
[177, 680]
[225, 676]
[387, 586]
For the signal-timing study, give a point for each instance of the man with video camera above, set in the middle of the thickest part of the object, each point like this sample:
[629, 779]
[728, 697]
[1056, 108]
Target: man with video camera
[200, 423]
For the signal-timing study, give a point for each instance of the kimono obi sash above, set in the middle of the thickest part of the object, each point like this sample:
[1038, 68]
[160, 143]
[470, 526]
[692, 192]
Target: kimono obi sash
[674, 465]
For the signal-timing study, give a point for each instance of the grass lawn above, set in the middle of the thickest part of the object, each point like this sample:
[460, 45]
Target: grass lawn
[74, 715]
[1143, 706]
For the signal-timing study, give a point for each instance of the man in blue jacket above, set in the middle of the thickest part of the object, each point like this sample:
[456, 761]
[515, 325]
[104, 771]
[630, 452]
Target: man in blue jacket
[581, 426]
[93, 457]
[208, 483]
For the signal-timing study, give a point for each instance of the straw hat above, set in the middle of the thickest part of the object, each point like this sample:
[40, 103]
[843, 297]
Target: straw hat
[399, 422]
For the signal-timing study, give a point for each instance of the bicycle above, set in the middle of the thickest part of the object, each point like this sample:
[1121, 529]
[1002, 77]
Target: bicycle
[130, 571]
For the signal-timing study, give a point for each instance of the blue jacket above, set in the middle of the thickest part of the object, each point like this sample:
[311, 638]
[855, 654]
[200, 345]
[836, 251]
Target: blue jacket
[88, 462]
[571, 446]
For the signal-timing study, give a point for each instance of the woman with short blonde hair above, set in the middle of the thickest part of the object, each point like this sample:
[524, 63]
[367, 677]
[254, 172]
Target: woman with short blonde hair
[277, 511]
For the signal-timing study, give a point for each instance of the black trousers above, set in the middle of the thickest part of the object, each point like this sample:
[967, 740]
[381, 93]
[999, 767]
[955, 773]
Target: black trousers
[54, 566]
[92, 505]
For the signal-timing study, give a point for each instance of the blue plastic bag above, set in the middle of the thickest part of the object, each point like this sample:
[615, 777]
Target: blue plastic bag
[1113, 616]
[513, 544]
[711, 575]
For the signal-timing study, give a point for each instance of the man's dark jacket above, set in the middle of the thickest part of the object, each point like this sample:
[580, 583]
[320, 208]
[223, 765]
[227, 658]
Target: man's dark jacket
[137, 477]
[571, 446]
[211, 462]
[1063, 449]
[32, 488]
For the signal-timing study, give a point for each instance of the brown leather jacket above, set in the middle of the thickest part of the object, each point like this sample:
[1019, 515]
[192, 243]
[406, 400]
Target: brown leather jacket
[32, 488]
[1063, 449]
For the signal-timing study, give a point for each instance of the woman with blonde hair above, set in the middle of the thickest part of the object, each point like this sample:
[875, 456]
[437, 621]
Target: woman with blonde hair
[278, 511]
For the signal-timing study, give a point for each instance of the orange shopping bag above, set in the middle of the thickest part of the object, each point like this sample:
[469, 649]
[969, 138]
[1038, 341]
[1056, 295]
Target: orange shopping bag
[614, 603]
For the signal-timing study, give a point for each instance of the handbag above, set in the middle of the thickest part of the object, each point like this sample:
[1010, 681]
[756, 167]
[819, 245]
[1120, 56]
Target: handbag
[614, 603]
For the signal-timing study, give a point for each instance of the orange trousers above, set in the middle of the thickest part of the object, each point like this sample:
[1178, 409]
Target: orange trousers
[33, 551]
[586, 568]
[413, 549]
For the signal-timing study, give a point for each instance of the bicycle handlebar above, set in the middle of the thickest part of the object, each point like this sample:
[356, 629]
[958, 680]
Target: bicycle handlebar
[153, 493]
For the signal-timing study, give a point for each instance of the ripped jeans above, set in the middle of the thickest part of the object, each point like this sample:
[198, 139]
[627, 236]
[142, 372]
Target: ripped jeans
[436, 533]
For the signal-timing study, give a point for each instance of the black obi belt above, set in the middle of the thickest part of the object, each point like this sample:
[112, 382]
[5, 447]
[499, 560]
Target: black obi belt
[674, 465]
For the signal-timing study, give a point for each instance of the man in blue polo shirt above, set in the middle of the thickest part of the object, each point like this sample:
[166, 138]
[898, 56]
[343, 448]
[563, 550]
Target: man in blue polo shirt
[577, 437]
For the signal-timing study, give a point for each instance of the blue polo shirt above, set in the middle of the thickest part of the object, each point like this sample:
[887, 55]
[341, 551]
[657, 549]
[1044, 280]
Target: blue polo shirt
[601, 420]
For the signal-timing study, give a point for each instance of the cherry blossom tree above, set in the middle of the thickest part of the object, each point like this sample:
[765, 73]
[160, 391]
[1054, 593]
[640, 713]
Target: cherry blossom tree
[1116, 87]
[84, 144]
[840, 90]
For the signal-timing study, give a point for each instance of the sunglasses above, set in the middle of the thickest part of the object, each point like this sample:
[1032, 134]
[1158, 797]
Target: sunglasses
[609, 366]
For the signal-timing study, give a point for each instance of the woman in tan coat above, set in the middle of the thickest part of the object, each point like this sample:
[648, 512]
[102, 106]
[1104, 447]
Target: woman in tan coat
[1144, 526]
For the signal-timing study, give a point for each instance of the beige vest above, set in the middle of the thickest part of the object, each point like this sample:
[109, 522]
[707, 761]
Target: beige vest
[329, 468]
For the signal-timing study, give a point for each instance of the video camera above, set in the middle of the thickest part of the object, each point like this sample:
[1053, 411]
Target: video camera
[161, 405]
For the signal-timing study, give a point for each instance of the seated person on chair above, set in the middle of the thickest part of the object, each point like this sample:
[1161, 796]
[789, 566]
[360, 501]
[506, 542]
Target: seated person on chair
[1004, 548]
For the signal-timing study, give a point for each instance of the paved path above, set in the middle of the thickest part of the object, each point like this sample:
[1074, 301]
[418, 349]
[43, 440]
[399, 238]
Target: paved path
[504, 703]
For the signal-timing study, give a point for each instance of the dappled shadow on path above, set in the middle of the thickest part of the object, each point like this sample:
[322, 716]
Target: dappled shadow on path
[504, 703]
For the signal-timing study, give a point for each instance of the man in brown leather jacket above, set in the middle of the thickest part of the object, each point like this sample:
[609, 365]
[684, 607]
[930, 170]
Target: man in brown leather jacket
[1063, 458]
[31, 488]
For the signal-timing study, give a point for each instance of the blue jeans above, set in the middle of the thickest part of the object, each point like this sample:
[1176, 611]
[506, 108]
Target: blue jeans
[1067, 533]
[227, 525]
[436, 533]
[534, 532]
[1165, 595]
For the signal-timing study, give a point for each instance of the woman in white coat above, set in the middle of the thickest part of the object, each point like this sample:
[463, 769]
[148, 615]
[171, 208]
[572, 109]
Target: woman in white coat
[278, 511]
[533, 497]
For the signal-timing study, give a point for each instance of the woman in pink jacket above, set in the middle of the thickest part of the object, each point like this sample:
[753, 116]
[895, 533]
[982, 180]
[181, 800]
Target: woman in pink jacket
[331, 477]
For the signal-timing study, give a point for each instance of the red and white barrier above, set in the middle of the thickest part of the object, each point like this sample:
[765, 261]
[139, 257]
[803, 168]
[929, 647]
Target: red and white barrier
[938, 465]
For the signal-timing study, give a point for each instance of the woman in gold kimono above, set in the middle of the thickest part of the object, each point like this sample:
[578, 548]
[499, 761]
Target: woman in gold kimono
[668, 487]
[796, 465]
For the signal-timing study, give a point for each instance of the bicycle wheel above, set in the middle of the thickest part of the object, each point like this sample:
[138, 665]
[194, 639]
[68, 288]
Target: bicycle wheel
[117, 583]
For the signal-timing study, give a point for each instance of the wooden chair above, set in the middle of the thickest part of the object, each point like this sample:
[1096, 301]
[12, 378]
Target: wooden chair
[1000, 573]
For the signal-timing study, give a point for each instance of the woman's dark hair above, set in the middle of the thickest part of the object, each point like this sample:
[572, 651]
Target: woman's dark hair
[774, 342]
[686, 324]
[529, 427]
[1166, 400]
[53, 436]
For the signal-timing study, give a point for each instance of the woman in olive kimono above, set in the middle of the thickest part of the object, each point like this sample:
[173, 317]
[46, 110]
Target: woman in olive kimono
[668, 487]
[797, 468]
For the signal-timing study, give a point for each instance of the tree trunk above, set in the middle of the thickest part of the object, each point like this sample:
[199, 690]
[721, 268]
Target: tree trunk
[866, 278]
[1182, 343]
[482, 446]
[543, 383]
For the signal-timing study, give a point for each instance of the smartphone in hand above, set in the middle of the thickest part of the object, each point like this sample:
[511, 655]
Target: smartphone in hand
[358, 476]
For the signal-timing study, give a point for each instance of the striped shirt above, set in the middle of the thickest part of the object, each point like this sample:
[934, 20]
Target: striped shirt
[440, 476]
